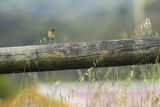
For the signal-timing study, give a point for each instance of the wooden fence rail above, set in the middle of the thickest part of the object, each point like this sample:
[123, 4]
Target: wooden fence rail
[79, 55]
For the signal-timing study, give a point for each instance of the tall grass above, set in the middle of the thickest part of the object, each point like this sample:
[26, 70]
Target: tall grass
[111, 87]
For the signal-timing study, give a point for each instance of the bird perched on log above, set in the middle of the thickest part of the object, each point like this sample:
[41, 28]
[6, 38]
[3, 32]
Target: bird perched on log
[51, 35]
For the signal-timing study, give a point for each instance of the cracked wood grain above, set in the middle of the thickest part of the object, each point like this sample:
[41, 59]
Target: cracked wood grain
[79, 55]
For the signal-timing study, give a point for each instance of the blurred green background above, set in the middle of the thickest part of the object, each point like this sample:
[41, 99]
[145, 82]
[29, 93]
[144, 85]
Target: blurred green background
[26, 21]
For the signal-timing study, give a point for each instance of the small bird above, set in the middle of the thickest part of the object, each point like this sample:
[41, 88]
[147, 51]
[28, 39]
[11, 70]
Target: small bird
[51, 35]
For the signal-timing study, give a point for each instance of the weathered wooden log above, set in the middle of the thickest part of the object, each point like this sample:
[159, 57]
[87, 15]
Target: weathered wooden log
[79, 55]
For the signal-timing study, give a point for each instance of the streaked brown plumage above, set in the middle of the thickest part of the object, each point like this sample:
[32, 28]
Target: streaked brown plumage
[51, 35]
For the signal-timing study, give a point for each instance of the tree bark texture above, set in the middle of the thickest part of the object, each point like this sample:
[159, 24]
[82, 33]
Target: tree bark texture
[65, 56]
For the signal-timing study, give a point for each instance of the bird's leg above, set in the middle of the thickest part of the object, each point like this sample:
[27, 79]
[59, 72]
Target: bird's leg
[52, 41]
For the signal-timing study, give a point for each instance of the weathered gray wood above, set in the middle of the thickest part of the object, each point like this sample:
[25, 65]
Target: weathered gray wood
[79, 55]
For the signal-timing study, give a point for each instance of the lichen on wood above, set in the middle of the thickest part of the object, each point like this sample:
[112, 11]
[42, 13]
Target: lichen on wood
[105, 53]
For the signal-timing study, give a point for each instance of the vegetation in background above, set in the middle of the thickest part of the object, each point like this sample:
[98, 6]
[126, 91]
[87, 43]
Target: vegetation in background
[32, 98]
[7, 87]
[100, 24]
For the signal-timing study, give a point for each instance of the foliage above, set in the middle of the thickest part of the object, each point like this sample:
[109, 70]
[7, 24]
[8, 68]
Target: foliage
[5, 87]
